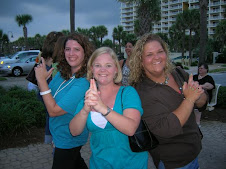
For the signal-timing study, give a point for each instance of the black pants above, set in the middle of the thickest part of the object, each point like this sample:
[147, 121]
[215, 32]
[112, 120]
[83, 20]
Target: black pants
[68, 159]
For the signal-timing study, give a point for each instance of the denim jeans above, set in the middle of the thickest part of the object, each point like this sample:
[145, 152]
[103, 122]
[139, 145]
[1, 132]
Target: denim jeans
[192, 165]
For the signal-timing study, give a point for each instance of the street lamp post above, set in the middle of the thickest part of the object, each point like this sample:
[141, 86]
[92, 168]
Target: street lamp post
[10, 35]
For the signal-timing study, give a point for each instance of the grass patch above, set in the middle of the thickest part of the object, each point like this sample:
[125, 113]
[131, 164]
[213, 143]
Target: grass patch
[3, 78]
[217, 70]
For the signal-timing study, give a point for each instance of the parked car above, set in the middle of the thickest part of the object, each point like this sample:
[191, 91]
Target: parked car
[18, 55]
[22, 66]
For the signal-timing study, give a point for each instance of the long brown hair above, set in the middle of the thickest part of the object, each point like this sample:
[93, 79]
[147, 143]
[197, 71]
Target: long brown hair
[64, 67]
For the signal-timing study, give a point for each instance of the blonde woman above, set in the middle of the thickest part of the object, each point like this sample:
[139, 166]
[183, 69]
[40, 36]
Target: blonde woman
[111, 113]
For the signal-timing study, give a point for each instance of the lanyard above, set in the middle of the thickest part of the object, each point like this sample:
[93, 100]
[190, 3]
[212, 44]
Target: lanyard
[58, 90]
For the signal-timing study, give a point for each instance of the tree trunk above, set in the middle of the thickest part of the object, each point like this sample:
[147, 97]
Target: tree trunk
[72, 15]
[183, 44]
[203, 30]
[25, 37]
[190, 47]
[144, 22]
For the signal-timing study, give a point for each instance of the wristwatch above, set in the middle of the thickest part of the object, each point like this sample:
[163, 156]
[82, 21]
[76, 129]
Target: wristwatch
[108, 111]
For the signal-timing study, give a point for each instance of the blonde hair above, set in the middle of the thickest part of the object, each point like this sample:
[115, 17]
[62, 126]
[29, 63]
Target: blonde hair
[135, 63]
[99, 52]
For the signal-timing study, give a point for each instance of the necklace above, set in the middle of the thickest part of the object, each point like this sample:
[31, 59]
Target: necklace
[58, 90]
[165, 82]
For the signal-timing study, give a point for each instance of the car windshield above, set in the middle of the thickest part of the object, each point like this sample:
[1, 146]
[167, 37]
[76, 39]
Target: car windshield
[13, 56]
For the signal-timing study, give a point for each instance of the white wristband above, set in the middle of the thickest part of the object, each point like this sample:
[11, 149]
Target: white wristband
[45, 92]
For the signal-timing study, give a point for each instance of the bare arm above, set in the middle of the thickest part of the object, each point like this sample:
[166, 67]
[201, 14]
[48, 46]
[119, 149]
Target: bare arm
[126, 123]
[41, 75]
[207, 86]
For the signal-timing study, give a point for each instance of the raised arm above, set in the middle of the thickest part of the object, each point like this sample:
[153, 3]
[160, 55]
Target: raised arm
[42, 75]
[126, 123]
[192, 92]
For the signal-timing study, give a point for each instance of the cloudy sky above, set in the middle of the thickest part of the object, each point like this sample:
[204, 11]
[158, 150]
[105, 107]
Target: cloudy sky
[54, 15]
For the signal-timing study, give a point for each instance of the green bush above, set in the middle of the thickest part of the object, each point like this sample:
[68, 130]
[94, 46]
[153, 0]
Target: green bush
[194, 63]
[20, 110]
[186, 68]
[221, 97]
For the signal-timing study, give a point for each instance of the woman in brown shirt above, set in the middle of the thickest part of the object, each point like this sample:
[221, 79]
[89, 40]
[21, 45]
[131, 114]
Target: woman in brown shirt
[168, 103]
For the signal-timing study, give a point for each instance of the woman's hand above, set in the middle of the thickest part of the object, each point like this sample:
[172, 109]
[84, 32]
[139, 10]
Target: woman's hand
[192, 90]
[93, 98]
[41, 72]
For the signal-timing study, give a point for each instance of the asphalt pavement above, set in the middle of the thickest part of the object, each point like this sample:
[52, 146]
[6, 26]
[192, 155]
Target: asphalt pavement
[39, 156]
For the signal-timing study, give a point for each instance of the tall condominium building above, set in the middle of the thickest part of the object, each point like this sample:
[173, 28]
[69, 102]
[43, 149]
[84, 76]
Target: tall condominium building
[169, 10]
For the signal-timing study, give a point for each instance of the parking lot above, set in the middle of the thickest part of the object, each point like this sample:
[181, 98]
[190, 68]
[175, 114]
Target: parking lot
[14, 81]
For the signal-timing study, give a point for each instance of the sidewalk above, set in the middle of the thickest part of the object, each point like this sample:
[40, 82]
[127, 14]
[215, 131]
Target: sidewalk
[38, 156]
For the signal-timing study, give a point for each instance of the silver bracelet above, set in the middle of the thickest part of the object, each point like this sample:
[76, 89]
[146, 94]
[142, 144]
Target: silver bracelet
[45, 92]
[108, 111]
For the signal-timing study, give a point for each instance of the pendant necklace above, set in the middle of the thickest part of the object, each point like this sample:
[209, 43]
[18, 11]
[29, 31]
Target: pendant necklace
[58, 90]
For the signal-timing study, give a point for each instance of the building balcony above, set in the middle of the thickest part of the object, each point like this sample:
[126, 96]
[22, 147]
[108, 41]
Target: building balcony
[214, 4]
[175, 7]
[126, 20]
[213, 25]
[174, 13]
[175, 2]
[126, 11]
[194, 1]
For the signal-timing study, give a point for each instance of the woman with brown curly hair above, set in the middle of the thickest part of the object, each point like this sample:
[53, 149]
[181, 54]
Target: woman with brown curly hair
[61, 97]
[168, 96]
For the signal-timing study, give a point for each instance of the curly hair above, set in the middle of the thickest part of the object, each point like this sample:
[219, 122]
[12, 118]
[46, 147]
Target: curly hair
[49, 44]
[99, 52]
[135, 63]
[64, 67]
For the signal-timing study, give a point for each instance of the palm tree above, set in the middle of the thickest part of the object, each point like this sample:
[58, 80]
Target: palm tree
[181, 27]
[65, 32]
[103, 31]
[148, 12]
[118, 34]
[23, 20]
[220, 33]
[93, 33]
[3, 40]
[203, 4]
[72, 15]
[192, 21]
[83, 31]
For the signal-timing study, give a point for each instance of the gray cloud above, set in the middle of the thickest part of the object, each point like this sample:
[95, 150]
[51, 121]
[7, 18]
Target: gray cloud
[49, 15]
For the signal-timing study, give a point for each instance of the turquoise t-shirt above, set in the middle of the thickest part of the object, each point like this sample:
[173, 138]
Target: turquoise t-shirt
[110, 148]
[68, 99]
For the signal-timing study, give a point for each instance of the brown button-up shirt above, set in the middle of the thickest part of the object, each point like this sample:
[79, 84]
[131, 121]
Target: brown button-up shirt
[178, 145]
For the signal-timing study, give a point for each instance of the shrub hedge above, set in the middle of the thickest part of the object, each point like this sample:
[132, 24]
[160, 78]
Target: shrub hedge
[221, 97]
[19, 110]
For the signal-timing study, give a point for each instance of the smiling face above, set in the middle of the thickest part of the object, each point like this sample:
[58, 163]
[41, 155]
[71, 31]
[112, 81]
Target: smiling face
[154, 59]
[128, 49]
[74, 54]
[104, 69]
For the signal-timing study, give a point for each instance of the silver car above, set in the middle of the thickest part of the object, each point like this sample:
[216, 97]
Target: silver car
[22, 66]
